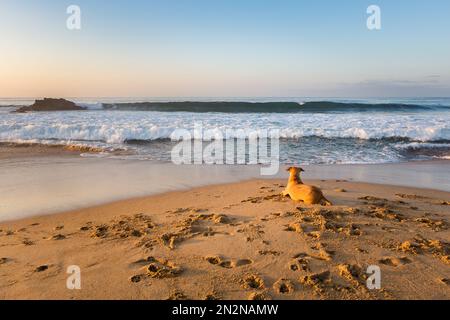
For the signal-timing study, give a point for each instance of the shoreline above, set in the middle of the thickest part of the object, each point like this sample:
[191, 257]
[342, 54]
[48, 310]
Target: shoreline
[18, 150]
[430, 193]
[404, 190]
[236, 241]
[64, 181]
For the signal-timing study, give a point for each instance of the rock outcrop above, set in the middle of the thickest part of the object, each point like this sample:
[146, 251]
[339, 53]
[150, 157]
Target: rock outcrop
[50, 104]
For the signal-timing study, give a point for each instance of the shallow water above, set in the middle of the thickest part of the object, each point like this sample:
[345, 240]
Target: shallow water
[43, 185]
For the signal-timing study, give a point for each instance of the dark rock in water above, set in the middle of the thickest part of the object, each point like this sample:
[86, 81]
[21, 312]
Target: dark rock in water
[50, 104]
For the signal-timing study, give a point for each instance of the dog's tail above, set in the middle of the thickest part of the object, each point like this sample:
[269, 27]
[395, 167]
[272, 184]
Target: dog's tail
[325, 202]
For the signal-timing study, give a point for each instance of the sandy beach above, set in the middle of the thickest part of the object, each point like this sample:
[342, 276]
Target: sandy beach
[224, 150]
[236, 241]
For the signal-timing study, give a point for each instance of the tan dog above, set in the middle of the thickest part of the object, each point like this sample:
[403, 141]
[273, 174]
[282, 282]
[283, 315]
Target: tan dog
[302, 192]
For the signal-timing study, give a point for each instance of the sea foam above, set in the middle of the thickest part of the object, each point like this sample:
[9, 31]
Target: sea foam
[116, 127]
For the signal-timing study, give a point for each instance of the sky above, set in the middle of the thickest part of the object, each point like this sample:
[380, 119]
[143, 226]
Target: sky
[224, 48]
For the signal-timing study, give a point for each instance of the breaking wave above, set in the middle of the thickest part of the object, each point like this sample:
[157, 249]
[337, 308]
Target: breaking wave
[112, 127]
[267, 107]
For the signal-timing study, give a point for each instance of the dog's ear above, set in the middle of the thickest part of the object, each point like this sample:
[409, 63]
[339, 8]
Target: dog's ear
[301, 169]
[288, 169]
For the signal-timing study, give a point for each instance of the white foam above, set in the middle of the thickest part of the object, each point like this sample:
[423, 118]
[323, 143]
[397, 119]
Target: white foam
[91, 105]
[113, 128]
[423, 145]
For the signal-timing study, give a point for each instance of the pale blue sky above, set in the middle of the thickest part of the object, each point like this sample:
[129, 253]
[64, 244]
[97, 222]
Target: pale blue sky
[225, 48]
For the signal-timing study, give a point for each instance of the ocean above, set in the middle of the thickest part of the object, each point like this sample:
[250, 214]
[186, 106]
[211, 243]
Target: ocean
[312, 130]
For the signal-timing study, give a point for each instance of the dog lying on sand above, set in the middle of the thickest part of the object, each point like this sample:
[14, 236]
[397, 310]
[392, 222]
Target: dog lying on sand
[300, 192]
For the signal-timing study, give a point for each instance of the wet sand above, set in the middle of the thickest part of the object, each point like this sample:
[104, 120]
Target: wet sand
[53, 179]
[236, 241]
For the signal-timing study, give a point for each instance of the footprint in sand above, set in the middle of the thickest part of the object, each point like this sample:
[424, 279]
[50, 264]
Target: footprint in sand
[100, 231]
[324, 254]
[294, 227]
[233, 264]
[143, 261]
[383, 213]
[4, 260]
[171, 239]
[352, 272]
[216, 218]
[410, 196]
[314, 234]
[410, 247]
[445, 281]
[177, 295]
[437, 248]
[287, 214]
[317, 280]
[284, 286]
[158, 268]
[300, 262]
[259, 296]
[137, 278]
[269, 252]
[163, 269]
[179, 210]
[41, 268]
[253, 282]
[57, 237]
[243, 262]
[27, 242]
[435, 225]
[211, 296]
[87, 226]
[122, 227]
[228, 264]
[372, 199]
[213, 259]
[395, 262]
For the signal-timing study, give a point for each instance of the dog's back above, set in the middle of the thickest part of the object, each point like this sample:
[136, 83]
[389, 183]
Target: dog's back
[307, 194]
[302, 192]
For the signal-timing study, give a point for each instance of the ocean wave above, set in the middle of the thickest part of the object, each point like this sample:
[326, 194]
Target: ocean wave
[91, 105]
[443, 144]
[118, 128]
[100, 148]
[438, 149]
[269, 107]
[135, 135]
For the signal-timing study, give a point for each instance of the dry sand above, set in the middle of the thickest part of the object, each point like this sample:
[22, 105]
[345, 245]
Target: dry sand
[236, 241]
